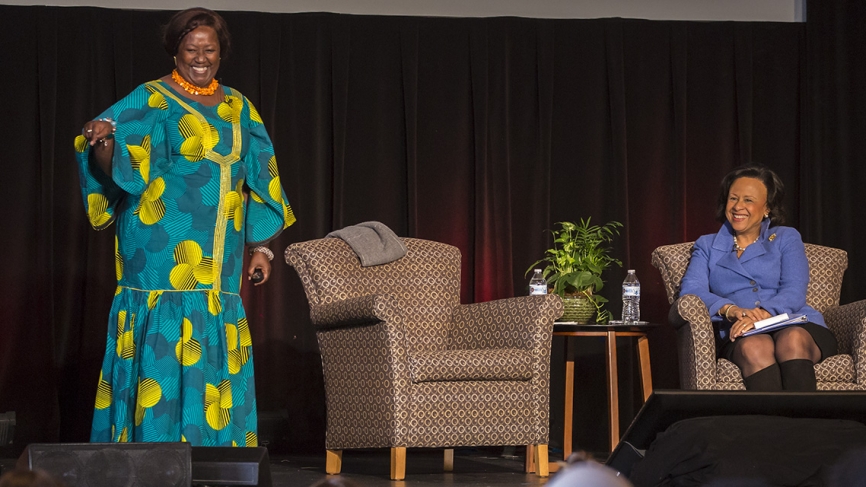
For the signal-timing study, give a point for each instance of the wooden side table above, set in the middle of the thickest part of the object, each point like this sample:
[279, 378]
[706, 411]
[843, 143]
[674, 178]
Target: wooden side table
[610, 332]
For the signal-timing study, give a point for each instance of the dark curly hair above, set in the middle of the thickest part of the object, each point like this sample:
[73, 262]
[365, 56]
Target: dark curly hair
[774, 185]
[185, 21]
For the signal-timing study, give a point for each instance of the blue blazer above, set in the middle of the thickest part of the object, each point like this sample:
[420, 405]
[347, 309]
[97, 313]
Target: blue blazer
[772, 273]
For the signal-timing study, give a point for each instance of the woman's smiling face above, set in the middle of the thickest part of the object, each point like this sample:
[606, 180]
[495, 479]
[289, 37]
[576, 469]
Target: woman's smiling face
[747, 206]
[198, 56]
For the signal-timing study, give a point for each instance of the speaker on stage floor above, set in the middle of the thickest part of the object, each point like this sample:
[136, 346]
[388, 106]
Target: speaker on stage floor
[228, 466]
[149, 464]
[112, 464]
[664, 408]
[7, 428]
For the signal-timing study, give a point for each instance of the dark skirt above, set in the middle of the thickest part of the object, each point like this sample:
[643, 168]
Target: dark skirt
[823, 337]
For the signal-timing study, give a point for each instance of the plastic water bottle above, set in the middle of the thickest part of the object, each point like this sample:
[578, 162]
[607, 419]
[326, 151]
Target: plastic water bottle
[630, 298]
[537, 285]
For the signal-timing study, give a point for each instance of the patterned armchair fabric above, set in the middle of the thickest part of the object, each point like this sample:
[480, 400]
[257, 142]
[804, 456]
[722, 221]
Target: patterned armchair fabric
[699, 368]
[406, 365]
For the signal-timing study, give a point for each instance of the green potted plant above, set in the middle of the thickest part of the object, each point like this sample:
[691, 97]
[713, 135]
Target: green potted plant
[580, 253]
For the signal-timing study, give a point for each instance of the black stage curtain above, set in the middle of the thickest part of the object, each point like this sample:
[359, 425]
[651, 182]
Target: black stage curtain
[476, 132]
[834, 171]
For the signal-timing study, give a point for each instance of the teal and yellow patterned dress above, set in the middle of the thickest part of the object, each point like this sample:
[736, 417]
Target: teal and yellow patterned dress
[178, 364]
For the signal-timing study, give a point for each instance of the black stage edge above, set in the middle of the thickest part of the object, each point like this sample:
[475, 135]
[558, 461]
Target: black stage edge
[666, 407]
[149, 464]
[112, 464]
[213, 465]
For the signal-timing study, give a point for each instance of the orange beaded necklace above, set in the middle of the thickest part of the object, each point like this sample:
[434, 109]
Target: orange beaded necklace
[193, 89]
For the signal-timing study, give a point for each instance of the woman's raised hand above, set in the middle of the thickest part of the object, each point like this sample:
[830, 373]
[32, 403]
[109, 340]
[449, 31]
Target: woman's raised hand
[97, 131]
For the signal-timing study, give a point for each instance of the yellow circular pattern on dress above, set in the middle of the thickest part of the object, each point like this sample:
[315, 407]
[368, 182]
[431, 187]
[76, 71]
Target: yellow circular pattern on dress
[118, 260]
[80, 143]
[151, 208]
[188, 349]
[238, 345]
[156, 99]
[288, 216]
[103, 393]
[139, 157]
[231, 336]
[125, 342]
[275, 190]
[214, 303]
[244, 335]
[149, 394]
[192, 267]
[199, 137]
[182, 277]
[126, 345]
[230, 109]
[153, 298]
[97, 209]
[235, 206]
[254, 114]
[218, 404]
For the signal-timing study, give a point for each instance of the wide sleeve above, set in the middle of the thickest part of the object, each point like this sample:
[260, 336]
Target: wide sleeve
[697, 278]
[141, 154]
[268, 211]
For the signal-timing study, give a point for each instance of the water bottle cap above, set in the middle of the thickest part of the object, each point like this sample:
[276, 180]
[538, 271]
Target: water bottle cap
[631, 271]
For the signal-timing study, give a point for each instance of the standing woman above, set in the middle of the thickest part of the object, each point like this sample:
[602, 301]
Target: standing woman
[752, 269]
[186, 167]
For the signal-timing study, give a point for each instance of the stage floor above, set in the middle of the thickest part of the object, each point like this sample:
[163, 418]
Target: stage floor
[423, 468]
[371, 468]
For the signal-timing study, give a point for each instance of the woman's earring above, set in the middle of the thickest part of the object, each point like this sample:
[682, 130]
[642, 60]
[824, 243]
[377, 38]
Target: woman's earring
[175, 61]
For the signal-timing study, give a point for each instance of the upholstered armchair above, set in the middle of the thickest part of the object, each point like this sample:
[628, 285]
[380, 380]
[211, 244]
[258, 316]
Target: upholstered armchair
[699, 367]
[406, 365]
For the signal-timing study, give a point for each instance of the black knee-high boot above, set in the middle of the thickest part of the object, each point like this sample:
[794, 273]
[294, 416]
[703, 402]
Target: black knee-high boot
[768, 379]
[798, 375]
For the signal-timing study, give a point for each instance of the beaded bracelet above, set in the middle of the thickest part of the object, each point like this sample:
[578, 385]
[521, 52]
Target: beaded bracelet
[113, 127]
[264, 250]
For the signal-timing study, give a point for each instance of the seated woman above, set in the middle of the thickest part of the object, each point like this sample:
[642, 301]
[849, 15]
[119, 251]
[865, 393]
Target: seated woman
[752, 269]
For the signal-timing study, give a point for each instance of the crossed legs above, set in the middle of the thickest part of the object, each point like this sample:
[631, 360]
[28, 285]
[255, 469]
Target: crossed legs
[781, 361]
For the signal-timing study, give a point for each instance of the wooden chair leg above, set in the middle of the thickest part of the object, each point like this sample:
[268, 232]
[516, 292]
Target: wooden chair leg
[333, 461]
[398, 463]
[530, 458]
[448, 465]
[646, 375]
[540, 458]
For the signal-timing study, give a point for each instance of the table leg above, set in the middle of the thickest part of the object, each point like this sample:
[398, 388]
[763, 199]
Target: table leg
[612, 389]
[645, 369]
[569, 398]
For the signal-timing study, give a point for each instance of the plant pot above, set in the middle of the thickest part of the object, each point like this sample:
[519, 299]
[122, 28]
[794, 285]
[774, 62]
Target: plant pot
[578, 309]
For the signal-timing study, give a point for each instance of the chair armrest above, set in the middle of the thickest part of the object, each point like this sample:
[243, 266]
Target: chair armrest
[674, 318]
[367, 309]
[697, 344]
[524, 322]
[362, 341]
[848, 323]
